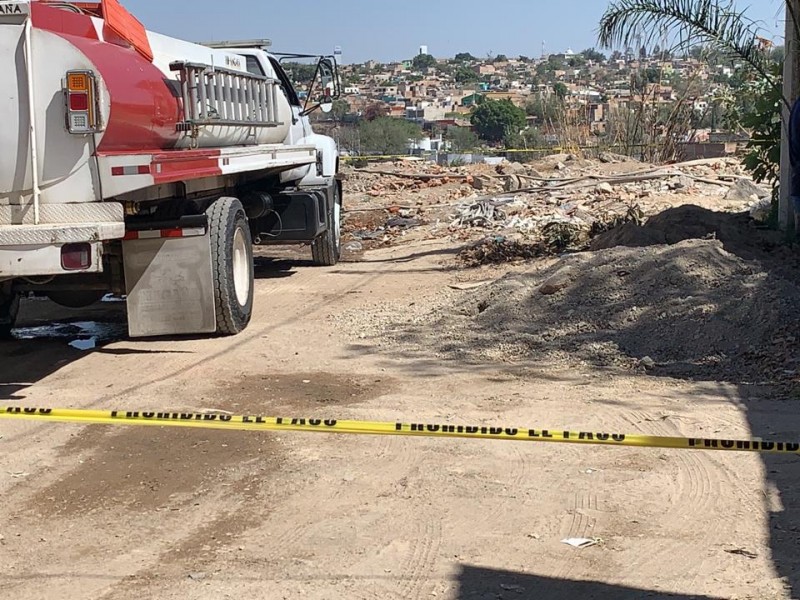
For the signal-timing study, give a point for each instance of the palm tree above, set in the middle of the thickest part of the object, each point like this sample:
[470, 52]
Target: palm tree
[714, 23]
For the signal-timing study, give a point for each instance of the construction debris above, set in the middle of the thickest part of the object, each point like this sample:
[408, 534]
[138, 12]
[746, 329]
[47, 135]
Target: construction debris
[745, 190]
[498, 250]
[560, 203]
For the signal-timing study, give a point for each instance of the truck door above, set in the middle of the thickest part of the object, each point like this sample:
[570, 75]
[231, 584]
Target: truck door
[294, 99]
[297, 130]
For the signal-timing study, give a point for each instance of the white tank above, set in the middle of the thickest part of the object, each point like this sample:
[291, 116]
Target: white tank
[167, 50]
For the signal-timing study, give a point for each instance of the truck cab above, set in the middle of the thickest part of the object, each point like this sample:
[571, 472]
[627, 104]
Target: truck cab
[295, 222]
[146, 166]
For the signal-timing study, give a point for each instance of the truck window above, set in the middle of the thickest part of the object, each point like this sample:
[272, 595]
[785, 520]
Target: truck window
[291, 95]
[253, 66]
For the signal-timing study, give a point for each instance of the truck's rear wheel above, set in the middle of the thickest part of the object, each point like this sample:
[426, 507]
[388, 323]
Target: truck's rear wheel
[327, 248]
[232, 261]
[9, 308]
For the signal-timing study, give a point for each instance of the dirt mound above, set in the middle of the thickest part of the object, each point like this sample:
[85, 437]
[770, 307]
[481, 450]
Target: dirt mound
[694, 308]
[736, 231]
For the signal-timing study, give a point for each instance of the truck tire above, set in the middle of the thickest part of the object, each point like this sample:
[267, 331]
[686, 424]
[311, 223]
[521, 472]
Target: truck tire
[232, 262]
[9, 308]
[327, 248]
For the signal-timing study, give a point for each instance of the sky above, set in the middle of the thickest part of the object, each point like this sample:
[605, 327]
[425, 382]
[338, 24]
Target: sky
[388, 31]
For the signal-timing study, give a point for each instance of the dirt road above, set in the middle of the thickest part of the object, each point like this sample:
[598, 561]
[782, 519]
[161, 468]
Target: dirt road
[95, 513]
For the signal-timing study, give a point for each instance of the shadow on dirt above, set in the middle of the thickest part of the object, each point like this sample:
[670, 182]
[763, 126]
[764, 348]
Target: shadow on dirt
[743, 312]
[277, 268]
[476, 583]
[694, 295]
[49, 337]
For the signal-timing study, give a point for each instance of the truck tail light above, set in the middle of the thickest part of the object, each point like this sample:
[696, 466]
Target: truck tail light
[81, 101]
[78, 102]
[76, 257]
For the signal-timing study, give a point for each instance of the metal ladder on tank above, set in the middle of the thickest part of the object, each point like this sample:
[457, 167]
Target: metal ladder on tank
[214, 96]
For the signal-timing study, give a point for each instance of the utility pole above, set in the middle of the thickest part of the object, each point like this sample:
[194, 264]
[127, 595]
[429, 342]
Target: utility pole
[791, 78]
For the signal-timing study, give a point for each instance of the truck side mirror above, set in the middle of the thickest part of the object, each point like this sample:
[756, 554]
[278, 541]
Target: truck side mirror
[325, 87]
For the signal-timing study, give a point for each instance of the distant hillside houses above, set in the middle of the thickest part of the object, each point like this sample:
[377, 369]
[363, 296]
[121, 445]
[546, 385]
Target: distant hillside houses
[590, 89]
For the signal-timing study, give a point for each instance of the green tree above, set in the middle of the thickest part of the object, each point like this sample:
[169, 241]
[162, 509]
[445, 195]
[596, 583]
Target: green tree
[556, 62]
[386, 135]
[544, 108]
[561, 91]
[763, 156]
[528, 139]
[533, 138]
[300, 73]
[464, 57]
[593, 55]
[375, 110]
[652, 75]
[500, 58]
[495, 120]
[577, 61]
[340, 109]
[462, 138]
[423, 61]
[465, 75]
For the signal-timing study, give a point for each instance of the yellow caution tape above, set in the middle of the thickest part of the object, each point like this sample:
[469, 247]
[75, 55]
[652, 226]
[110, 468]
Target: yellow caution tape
[211, 420]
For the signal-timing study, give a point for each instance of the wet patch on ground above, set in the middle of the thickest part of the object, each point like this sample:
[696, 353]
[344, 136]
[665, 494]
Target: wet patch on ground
[81, 335]
[101, 323]
[306, 391]
[147, 469]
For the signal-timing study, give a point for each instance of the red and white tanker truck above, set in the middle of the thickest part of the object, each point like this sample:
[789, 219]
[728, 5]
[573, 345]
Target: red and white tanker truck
[141, 165]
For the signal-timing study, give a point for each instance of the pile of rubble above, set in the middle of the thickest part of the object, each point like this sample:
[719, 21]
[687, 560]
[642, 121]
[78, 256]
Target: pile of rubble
[691, 310]
[555, 204]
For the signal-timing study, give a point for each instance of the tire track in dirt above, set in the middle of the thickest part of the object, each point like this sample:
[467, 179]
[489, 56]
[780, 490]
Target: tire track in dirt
[578, 522]
[700, 482]
[421, 558]
[287, 303]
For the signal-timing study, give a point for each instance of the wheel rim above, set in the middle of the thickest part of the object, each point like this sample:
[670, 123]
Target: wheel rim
[337, 220]
[241, 267]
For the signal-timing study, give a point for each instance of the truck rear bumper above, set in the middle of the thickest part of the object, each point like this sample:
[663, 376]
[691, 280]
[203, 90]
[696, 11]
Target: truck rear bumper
[59, 233]
[45, 260]
[33, 250]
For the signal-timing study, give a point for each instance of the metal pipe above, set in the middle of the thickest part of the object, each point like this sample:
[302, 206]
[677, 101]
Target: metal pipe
[252, 100]
[223, 111]
[262, 101]
[201, 84]
[240, 113]
[193, 93]
[185, 94]
[32, 120]
[274, 102]
[212, 92]
[230, 91]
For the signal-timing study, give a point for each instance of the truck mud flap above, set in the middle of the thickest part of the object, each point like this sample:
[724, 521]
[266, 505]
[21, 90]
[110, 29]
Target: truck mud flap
[169, 280]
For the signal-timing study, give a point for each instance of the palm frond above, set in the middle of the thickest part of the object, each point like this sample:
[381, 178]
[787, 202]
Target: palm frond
[690, 22]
